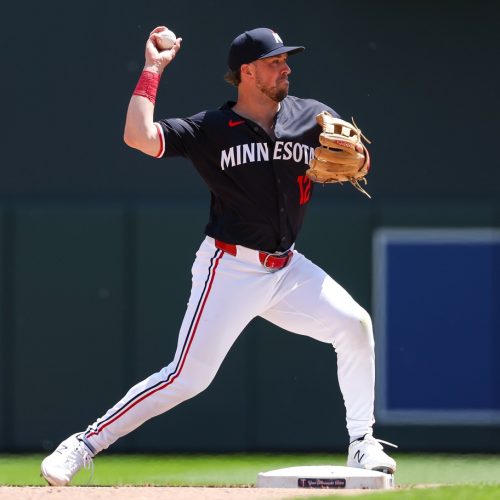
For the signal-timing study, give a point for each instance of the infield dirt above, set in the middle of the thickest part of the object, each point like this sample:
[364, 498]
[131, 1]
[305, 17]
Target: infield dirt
[161, 493]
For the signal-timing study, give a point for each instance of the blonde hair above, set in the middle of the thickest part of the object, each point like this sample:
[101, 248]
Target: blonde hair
[233, 77]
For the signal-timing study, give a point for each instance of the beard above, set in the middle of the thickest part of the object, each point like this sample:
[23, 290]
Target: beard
[276, 93]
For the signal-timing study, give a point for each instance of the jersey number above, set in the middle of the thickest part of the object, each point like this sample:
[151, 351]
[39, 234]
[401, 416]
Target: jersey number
[304, 188]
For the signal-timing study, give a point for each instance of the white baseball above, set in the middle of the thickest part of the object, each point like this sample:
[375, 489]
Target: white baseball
[166, 39]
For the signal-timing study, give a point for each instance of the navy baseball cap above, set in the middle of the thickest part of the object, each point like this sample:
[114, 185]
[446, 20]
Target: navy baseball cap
[257, 44]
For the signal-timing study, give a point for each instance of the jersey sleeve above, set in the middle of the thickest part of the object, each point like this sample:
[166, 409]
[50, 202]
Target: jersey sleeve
[333, 112]
[180, 135]
[316, 107]
[330, 110]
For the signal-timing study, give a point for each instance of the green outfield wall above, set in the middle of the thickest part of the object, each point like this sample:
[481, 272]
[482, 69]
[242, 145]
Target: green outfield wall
[94, 294]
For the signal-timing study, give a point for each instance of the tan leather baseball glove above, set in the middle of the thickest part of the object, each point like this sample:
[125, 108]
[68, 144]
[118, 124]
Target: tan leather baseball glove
[342, 157]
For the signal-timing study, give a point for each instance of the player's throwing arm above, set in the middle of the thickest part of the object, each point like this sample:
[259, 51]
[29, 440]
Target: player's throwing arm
[140, 131]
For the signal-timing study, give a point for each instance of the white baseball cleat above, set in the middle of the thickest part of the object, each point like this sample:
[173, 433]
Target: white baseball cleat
[368, 453]
[71, 455]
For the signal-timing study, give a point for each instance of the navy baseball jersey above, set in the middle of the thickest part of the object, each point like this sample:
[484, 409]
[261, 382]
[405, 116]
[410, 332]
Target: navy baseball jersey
[259, 190]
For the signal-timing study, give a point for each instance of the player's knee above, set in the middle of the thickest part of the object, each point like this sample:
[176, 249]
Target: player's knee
[359, 330]
[366, 328]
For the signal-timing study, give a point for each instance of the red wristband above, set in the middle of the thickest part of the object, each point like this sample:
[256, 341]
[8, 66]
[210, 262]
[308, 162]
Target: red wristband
[147, 86]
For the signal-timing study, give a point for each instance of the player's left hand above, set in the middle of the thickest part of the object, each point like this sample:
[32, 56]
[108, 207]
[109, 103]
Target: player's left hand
[342, 156]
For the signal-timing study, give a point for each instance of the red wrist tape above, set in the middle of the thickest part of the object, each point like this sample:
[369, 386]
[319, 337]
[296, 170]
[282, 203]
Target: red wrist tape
[147, 86]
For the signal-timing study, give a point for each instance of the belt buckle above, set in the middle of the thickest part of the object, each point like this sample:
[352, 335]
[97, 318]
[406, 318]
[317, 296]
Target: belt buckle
[276, 254]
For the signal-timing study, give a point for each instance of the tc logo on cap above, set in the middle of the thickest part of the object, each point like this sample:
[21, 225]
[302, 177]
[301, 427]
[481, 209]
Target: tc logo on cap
[277, 38]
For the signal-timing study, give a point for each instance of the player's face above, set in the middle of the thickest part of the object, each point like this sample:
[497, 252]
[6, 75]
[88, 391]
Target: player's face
[271, 76]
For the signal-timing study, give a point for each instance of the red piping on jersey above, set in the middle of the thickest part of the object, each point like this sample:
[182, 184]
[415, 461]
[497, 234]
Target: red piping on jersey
[94, 433]
[162, 142]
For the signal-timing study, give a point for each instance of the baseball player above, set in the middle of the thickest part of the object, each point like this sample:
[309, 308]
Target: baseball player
[253, 155]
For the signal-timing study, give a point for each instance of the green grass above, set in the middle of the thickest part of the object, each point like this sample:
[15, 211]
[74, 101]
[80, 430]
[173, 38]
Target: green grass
[464, 492]
[469, 472]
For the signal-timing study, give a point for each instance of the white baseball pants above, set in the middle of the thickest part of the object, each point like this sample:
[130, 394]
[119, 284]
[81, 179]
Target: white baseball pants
[227, 293]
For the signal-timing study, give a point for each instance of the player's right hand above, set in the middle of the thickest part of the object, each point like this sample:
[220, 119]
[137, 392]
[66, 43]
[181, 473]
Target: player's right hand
[157, 60]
